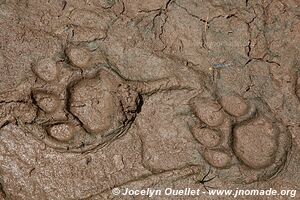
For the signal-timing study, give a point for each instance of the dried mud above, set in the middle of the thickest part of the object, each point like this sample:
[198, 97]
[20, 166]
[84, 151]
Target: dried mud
[98, 94]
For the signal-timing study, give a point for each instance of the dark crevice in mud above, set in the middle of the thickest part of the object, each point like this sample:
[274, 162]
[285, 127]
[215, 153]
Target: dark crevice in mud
[150, 11]
[261, 60]
[2, 192]
[162, 31]
[192, 15]
[140, 104]
[206, 24]
[123, 8]
[38, 110]
[247, 62]
[169, 3]
[230, 16]
[273, 62]
[249, 48]
[162, 13]
[17, 101]
[5, 124]
[64, 4]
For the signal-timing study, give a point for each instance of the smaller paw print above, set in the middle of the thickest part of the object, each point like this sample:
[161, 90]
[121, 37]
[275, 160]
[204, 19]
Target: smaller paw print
[235, 131]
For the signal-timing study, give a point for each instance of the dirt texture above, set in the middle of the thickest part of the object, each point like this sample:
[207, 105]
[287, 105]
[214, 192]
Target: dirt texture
[99, 94]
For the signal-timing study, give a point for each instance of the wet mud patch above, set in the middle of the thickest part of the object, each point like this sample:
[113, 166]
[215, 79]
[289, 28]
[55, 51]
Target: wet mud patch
[119, 93]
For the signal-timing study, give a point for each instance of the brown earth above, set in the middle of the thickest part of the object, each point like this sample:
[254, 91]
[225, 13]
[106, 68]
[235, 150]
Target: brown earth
[99, 94]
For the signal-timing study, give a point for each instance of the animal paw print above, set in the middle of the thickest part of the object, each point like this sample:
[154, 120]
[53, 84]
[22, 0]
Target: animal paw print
[83, 105]
[237, 132]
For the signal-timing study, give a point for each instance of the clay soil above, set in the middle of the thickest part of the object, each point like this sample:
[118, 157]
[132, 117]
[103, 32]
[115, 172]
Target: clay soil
[137, 94]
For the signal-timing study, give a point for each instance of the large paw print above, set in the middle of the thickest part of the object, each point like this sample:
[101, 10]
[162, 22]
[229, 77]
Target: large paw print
[83, 103]
[237, 132]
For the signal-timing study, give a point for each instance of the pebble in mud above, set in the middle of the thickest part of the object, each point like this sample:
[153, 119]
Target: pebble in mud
[46, 69]
[255, 143]
[208, 111]
[47, 102]
[79, 57]
[206, 136]
[234, 105]
[217, 158]
[61, 132]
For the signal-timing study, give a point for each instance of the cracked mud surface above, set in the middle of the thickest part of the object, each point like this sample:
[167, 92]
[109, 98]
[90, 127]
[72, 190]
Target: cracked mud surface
[98, 94]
